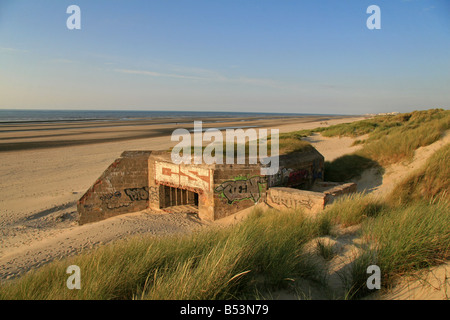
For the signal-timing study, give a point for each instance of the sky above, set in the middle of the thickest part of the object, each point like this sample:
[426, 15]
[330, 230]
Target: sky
[290, 56]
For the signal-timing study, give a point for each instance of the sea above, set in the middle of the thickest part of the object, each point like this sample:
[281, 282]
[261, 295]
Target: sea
[24, 116]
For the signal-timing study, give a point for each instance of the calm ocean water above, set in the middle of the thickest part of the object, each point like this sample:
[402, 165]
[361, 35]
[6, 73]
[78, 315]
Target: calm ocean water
[9, 115]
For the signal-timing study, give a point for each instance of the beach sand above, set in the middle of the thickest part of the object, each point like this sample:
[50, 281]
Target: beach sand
[45, 168]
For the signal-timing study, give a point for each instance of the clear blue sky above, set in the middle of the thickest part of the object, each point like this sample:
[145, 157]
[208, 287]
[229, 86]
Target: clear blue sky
[312, 56]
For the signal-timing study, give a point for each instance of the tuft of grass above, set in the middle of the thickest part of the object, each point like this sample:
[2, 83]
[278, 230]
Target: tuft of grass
[325, 250]
[400, 144]
[356, 281]
[358, 142]
[353, 129]
[325, 224]
[290, 145]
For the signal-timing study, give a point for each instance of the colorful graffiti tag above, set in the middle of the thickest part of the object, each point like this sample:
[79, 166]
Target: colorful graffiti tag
[241, 189]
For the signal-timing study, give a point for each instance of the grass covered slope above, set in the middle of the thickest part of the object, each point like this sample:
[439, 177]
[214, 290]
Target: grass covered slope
[401, 240]
[407, 231]
[390, 139]
[286, 144]
[213, 264]
[379, 126]
[431, 182]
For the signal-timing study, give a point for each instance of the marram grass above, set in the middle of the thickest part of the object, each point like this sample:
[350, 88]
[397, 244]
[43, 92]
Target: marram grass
[210, 264]
[391, 139]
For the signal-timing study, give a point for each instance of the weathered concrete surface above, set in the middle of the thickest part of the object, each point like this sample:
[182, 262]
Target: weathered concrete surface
[237, 187]
[289, 198]
[313, 201]
[122, 188]
[333, 189]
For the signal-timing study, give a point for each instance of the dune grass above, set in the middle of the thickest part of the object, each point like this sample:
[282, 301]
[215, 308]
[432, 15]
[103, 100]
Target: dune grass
[263, 251]
[325, 250]
[431, 182]
[406, 231]
[287, 143]
[402, 240]
[352, 209]
[380, 126]
[410, 237]
[400, 143]
[391, 139]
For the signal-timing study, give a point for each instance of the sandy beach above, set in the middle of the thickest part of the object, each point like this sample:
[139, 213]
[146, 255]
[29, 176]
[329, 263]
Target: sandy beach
[46, 167]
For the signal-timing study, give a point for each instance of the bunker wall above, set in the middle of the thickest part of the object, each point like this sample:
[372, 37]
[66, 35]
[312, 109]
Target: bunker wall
[237, 187]
[289, 198]
[122, 188]
[299, 170]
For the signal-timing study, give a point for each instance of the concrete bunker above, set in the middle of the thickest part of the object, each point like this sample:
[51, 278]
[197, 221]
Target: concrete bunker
[139, 180]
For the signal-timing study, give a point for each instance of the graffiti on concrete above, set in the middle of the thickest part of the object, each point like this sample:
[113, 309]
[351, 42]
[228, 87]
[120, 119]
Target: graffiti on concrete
[317, 169]
[137, 194]
[110, 196]
[117, 199]
[153, 194]
[298, 177]
[292, 203]
[113, 200]
[118, 205]
[180, 176]
[280, 178]
[241, 189]
[289, 177]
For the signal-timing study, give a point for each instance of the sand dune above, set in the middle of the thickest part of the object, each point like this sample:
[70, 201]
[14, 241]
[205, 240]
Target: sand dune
[40, 186]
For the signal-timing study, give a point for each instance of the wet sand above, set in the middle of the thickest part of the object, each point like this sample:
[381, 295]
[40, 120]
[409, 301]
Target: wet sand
[37, 135]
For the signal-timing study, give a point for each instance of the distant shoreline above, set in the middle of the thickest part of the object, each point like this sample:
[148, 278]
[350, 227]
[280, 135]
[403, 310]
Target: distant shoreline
[22, 116]
[17, 136]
